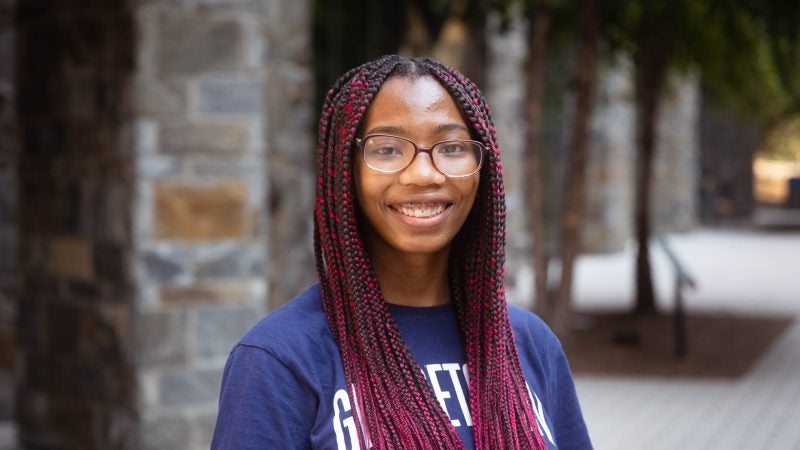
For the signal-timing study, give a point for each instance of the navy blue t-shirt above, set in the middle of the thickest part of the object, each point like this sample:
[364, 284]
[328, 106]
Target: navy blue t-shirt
[284, 384]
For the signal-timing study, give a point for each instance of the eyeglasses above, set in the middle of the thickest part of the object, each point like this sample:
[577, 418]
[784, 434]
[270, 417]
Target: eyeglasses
[389, 154]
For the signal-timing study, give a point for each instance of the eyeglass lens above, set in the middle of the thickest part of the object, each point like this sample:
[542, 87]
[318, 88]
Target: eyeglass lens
[392, 154]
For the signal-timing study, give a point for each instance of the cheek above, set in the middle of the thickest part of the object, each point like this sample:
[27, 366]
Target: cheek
[470, 189]
[368, 188]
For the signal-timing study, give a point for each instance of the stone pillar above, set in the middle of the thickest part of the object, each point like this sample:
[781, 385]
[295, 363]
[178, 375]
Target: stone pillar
[505, 92]
[291, 142]
[148, 205]
[677, 160]
[201, 227]
[613, 153]
[76, 386]
[611, 166]
[8, 210]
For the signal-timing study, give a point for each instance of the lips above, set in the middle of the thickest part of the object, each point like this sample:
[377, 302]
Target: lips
[421, 210]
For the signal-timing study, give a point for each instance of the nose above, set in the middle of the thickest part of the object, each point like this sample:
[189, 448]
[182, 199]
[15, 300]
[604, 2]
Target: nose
[422, 172]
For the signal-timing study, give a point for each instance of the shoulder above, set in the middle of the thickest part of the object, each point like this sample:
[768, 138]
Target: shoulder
[529, 326]
[537, 346]
[299, 322]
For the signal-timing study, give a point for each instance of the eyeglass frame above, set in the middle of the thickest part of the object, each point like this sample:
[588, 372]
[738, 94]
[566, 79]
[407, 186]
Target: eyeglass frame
[417, 150]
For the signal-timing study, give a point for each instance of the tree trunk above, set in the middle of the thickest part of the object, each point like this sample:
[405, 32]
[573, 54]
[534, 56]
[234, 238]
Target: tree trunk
[539, 20]
[575, 179]
[651, 70]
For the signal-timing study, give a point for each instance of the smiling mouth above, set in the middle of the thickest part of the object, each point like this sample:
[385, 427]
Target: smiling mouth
[421, 210]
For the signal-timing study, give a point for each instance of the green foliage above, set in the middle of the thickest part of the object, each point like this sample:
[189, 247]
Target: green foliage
[783, 141]
[747, 52]
[741, 67]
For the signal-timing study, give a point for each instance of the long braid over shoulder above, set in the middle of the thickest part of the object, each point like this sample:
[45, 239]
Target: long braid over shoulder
[394, 404]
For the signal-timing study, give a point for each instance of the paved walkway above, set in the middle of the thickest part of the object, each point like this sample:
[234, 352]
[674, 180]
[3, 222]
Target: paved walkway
[745, 272]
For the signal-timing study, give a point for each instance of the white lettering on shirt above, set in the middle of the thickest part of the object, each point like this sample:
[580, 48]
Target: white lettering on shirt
[438, 375]
[441, 395]
[349, 424]
[538, 411]
[453, 369]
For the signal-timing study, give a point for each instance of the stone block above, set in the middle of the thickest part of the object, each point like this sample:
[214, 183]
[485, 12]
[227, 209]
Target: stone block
[231, 260]
[87, 334]
[71, 258]
[208, 292]
[193, 43]
[287, 30]
[243, 168]
[225, 140]
[187, 387]
[153, 167]
[237, 5]
[161, 337]
[110, 261]
[160, 267]
[160, 433]
[160, 97]
[219, 328]
[193, 212]
[230, 97]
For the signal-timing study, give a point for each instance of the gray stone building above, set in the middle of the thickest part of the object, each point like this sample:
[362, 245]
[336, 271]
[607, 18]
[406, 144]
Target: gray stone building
[156, 184]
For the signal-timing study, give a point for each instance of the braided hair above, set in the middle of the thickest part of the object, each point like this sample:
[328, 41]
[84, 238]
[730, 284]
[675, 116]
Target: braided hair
[394, 404]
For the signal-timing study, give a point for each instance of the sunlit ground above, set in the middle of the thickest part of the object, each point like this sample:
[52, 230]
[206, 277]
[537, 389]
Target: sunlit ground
[771, 180]
[749, 272]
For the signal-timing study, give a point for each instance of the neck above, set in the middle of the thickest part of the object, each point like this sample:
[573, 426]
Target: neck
[416, 279]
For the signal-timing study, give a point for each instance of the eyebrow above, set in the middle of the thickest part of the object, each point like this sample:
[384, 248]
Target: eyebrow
[389, 129]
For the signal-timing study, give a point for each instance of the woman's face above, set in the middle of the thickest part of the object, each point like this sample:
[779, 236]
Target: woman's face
[418, 210]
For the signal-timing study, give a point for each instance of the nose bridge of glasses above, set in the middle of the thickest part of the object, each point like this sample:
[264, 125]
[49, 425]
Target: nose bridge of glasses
[418, 154]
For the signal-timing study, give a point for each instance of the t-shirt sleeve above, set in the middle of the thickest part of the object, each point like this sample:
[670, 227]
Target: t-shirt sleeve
[263, 403]
[542, 356]
[571, 432]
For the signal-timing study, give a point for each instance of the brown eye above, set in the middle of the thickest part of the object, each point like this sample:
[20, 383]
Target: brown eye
[453, 149]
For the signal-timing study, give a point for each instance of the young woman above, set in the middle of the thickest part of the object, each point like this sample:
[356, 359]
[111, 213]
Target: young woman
[407, 342]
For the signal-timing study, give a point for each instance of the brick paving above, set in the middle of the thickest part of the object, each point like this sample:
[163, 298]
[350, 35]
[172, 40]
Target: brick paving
[745, 272]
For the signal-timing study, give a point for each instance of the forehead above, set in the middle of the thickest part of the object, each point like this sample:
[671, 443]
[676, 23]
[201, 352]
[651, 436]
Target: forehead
[413, 107]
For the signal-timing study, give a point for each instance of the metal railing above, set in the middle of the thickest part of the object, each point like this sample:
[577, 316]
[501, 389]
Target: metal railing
[683, 280]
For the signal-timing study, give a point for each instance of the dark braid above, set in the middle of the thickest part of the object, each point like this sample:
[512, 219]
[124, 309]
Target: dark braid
[392, 398]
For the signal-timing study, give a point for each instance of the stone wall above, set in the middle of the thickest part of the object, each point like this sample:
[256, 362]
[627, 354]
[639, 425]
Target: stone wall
[613, 153]
[8, 210]
[75, 294]
[677, 160]
[201, 228]
[611, 165]
[165, 178]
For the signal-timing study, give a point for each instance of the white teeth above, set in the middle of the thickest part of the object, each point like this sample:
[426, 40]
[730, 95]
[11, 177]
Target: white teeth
[421, 210]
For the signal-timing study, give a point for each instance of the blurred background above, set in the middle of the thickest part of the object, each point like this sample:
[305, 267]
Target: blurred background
[156, 189]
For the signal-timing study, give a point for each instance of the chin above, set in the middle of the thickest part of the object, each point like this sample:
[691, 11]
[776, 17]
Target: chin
[416, 246]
